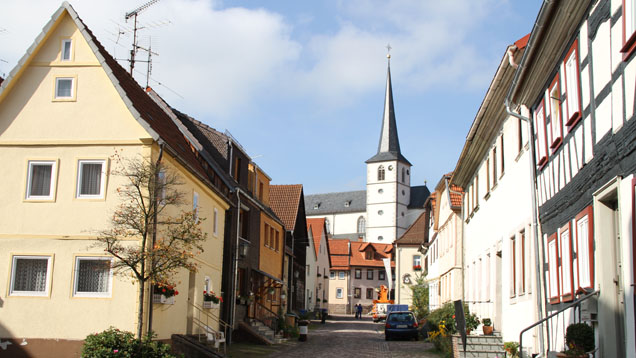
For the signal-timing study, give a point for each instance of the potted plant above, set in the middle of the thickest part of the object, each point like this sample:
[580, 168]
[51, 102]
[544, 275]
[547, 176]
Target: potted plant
[472, 321]
[512, 349]
[164, 293]
[417, 267]
[579, 339]
[487, 328]
[210, 300]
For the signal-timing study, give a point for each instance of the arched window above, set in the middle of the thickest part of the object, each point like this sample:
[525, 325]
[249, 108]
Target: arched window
[381, 172]
[361, 225]
[327, 225]
[403, 175]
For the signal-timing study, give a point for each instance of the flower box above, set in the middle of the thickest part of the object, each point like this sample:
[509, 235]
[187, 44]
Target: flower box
[162, 299]
[417, 268]
[210, 304]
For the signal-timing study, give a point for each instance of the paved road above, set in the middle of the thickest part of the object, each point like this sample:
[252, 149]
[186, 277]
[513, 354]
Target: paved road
[344, 336]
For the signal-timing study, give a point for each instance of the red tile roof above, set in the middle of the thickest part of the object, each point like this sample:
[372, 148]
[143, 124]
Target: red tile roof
[433, 201]
[381, 251]
[522, 42]
[339, 246]
[285, 201]
[414, 235]
[456, 195]
[339, 262]
[317, 226]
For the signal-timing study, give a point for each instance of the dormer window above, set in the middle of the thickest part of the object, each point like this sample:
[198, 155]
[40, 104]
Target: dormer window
[67, 50]
[347, 203]
[368, 255]
[381, 173]
[316, 206]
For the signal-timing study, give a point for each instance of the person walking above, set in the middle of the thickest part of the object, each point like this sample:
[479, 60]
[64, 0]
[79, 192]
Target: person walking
[355, 308]
[359, 311]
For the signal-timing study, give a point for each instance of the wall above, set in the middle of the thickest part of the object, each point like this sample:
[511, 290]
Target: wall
[403, 267]
[339, 305]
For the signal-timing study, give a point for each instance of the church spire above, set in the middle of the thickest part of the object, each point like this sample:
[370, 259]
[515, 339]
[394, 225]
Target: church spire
[389, 146]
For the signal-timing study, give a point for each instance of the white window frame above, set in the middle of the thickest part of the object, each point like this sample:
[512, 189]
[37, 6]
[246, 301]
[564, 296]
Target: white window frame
[341, 275]
[215, 225]
[332, 275]
[70, 50]
[339, 292]
[417, 260]
[102, 186]
[49, 268]
[107, 294]
[51, 195]
[57, 81]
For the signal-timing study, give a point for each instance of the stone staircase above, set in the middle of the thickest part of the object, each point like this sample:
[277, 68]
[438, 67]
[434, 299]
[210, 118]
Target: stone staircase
[265, 332]
[479, 347]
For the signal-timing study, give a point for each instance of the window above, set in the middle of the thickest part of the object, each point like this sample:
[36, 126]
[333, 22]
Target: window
[501, 154]
[403, 175]
[487, 177]
[93, 277]
[272, 235]
[267, 244]
[30, 275]
[260, 191]
[381, 173]
[357, 292]
[67, 47]
[368, 255]
[91, 179]
[341, 275]
[629, 28]
[494, 166]
[381, 275]
[584, 248]
[369, 293]
[237, 169]
[417, 261]
[519, 135]
[572, 106]
[339, 291]
[332, 275]
[64, 88]
[555, 124]
[361, 225]
[513, 267]
[369, 274]
[553, 268]
[277, 241]
[244, 223]
[358, 274]
[567, 278]
[195, 206]
[215, 223]
[542, 146]
[41, 180]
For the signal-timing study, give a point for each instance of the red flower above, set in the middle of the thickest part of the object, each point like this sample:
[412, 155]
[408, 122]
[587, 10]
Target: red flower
[221, 299]
[204, 292]
[453, 316]
[176, 293]
[163, 290]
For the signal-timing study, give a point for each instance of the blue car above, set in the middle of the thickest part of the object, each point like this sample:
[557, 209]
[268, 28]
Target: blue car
[400, 324]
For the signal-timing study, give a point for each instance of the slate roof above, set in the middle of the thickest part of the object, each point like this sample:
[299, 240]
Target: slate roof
[419, 194]
[335, 203]
[358, 257]
[285, 201]
[414, 235]
[389, 145]
[317, 226]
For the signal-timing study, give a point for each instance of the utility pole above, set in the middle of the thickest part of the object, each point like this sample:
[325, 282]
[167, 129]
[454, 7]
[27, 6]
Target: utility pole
[134, 14]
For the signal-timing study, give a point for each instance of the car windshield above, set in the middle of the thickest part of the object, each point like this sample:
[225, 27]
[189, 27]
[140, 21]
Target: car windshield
[401, 317]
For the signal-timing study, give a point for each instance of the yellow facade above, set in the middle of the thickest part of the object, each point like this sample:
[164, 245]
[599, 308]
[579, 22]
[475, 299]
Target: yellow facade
[272, 248]
[92, 124]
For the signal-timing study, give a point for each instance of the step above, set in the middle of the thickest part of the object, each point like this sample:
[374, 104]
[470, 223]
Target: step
[484, 347]
[481, 354]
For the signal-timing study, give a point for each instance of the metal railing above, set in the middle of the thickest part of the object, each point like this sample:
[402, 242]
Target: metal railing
[575, 305]
[265, 316]
[204, 320]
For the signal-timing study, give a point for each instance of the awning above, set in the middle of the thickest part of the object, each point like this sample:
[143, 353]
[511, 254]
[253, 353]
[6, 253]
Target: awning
[277, 280]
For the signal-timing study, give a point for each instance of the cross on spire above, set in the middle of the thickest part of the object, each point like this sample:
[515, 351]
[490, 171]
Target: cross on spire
[388, 50]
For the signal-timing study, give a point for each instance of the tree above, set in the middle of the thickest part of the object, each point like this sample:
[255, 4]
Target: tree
[148, 243]
[419, 291]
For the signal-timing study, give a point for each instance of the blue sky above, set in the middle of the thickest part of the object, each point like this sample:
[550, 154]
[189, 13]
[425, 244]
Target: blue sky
[300, 84]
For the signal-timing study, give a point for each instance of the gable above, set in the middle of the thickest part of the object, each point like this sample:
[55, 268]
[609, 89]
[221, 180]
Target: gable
[29, 111]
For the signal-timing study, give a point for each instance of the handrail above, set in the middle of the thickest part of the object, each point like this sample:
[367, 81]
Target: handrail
[575, 303]
[273, 316]
[206, 325]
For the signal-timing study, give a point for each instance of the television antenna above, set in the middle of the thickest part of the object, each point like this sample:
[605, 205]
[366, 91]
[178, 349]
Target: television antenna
[134, 49]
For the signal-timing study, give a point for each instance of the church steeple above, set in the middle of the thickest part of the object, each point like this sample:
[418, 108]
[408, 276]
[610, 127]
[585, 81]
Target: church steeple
[389, 146]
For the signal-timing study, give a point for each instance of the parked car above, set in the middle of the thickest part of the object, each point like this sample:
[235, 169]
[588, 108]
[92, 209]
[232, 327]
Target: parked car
[401, 324]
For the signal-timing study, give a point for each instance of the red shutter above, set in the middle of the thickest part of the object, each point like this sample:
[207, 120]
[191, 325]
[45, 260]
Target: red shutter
[572, 111]
[567, 274]
[555, 132]
[584, 228]
[553, 268]
[540, 134]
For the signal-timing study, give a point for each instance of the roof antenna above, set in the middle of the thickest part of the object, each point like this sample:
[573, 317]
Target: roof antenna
[134, 14]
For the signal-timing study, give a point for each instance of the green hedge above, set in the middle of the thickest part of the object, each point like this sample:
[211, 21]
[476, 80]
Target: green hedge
[113, 343]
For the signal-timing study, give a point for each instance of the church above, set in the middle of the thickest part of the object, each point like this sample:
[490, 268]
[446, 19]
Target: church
[389, 205]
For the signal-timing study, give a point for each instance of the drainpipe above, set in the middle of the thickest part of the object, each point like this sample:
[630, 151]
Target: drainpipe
[154, 230]
[235, 263]
[292, 287]
[535, 207]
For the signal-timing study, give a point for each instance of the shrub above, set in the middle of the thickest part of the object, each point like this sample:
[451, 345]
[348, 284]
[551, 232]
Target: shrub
[512, 348]
[579, 338]
[446, 314]
[115, 343]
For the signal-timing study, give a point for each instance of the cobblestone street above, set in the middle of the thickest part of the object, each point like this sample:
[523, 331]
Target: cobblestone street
[344, 336]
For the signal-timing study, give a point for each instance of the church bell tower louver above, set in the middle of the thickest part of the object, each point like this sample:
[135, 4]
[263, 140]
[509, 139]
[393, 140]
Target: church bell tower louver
[388, 179]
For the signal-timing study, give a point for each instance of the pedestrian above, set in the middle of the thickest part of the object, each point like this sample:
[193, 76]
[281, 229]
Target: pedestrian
[355, 310]
[359, 311]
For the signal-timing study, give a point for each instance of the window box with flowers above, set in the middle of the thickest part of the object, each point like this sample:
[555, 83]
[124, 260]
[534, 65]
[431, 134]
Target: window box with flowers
[210, 300]
[417, 267]
[164, 294]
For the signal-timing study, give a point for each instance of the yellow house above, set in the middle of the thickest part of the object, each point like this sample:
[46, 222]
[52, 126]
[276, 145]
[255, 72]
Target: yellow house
[65, 111]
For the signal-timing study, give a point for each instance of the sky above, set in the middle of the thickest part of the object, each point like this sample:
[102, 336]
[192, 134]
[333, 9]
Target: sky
[300, 84]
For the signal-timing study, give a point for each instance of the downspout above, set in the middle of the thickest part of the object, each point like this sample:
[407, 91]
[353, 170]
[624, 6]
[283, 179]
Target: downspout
[235, 263]
[537, 249]
[291, 288]
[154, 229]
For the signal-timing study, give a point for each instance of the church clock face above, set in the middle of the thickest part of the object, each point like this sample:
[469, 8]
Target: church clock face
[390, 167]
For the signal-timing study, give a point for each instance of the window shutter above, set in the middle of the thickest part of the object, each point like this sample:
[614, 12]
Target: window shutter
[585, 247]
[553, 268]
[572, 108]
[540, 133]
[567, 277]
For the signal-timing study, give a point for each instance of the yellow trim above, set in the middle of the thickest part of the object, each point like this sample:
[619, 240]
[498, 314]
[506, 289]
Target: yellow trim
[54, 175]
[72, 286]
[106, 171]
[70, 143]
[49, 274]
[73, 97]
[62, 39]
